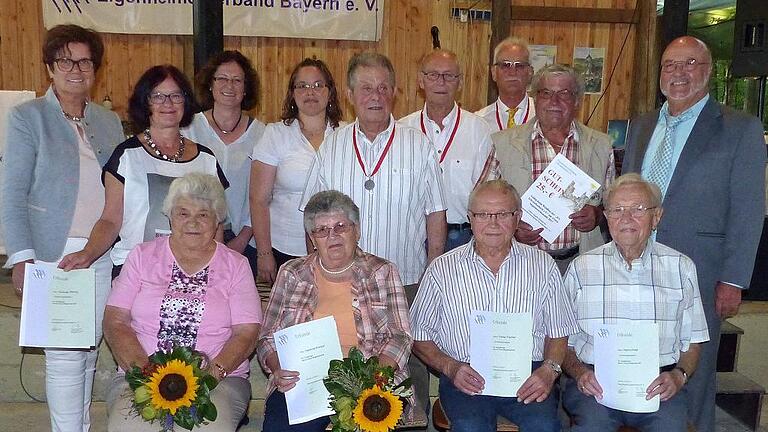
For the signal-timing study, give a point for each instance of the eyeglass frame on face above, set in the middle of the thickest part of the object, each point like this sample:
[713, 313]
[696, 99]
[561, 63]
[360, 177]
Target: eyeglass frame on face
[305, 87]
[512, 65]
[224, 80]
[169, 96]
[79, 63]
[435, 76]
[338, 228]
[636, 211]
[503, 216]
[563, 95]
[688, 65]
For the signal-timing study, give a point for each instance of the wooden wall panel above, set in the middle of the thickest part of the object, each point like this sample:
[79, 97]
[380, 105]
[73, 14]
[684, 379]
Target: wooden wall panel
[406, 38]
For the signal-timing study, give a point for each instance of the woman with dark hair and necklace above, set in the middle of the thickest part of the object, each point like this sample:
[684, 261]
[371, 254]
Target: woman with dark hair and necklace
[137, 176]
[281, 163]
[361, 291]
[56, 146]
[227, 87]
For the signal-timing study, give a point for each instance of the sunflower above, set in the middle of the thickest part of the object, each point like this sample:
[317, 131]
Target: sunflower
[173, 386]
[377, 410]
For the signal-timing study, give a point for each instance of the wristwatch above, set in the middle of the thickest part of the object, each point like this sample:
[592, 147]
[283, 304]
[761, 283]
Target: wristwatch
[554, 366]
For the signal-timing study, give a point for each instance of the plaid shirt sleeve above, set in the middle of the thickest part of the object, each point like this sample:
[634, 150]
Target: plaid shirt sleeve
[275, 315]
[398, 345]
[694, 324]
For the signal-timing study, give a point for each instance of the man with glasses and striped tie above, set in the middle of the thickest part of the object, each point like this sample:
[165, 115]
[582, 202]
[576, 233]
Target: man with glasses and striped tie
[708, 160]
[493, 273]
[511, 71]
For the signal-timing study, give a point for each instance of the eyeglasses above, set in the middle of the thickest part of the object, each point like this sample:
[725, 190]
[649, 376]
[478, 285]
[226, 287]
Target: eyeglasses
[306, 87]
[504, 216]
[158, 98]
[688, 65]
[223, 80]
[509, 65]
[634, 211]
[565, 95]
[67, 64]
[447, 76]
[325, 231]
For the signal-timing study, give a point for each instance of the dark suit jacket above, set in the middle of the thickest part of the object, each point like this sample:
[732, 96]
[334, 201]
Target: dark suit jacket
[715, 203]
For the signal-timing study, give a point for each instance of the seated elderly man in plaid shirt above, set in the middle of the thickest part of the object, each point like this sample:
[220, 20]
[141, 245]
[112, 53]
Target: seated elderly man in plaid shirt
[629, 280]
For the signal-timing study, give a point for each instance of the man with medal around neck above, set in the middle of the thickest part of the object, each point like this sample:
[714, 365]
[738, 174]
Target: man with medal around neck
[462, 139]
[390, 171]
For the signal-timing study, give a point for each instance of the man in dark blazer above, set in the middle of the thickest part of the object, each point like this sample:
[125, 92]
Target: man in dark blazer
[709, 162]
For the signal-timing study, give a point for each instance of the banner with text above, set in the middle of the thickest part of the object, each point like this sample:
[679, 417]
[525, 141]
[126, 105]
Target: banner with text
[313, 19]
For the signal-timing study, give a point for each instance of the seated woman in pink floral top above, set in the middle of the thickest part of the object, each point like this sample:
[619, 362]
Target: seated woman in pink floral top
[361, 291]
[185, 290]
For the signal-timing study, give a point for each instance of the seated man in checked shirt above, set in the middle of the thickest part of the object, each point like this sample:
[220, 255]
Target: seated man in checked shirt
[633, 278]
[494, 273]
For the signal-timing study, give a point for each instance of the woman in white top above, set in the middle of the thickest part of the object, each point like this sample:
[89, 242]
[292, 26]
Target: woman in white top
[227, 87]
[281, 163]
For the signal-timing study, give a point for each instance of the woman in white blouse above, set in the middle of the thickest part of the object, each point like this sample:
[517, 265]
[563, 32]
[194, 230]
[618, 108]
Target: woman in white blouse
[281, 163]
[227, 87]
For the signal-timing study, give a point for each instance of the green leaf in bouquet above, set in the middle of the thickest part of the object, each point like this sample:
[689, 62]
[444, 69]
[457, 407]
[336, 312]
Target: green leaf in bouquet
[210, 382]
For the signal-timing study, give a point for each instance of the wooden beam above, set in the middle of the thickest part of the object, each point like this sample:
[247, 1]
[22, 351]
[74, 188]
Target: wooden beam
[573, 14]
[500, 23]
[645, 73]
[208, 31]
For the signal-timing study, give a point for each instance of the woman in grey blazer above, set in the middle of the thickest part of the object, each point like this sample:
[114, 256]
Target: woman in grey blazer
[52, 196]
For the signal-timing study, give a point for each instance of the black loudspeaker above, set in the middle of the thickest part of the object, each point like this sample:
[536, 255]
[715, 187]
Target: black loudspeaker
[750, 39]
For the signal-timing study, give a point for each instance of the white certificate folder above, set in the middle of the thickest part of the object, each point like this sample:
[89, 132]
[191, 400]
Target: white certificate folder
[308, 349]
[58, 309]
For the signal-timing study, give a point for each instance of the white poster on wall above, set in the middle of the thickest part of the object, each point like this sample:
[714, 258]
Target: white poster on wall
[313, 19]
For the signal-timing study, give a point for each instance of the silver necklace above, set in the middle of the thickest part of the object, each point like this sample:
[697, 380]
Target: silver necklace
[337, 272]
[73, 118]
[158, 153]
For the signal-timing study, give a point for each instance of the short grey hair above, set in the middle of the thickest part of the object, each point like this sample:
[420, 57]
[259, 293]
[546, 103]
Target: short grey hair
[368, 59]
[652, 190]
[330, 201]
[558, 69]
[508, 42]
[498, 185]
[198, 187]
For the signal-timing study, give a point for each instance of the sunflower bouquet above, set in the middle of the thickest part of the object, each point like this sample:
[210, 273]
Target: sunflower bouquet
[173, 388]
[364, 396]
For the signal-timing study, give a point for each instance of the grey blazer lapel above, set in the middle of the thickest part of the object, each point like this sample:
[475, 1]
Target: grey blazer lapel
[702, 132]
[645, 125]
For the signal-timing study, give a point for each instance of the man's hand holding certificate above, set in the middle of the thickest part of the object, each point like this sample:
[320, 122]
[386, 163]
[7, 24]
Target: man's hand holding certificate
[626, 364]
[501, 346]
[560, 191]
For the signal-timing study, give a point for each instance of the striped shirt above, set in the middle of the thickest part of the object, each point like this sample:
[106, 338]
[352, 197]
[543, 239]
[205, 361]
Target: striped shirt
[408, 187]
[464, 153]
[660, 286]
[459, 282]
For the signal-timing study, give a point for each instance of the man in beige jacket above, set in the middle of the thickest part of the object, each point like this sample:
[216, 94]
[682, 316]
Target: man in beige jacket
[525, 151]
